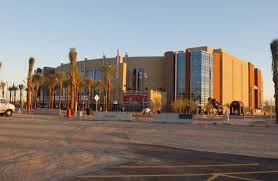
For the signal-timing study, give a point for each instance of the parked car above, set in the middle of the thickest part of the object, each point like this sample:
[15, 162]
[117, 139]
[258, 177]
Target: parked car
[6, 108]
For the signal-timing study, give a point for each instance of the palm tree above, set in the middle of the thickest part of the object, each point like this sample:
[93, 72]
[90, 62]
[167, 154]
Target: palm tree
[109, 71]
[29, 84]
[50, 82]
[37, 80]
[73, 74]
[80, 84]
[67, 83]
[100, 84]
[15, 88]
[274, 51]
[0, 65]
[3, 85]
[21, 87]
[61, 76]
[10, 89]
[89, 85]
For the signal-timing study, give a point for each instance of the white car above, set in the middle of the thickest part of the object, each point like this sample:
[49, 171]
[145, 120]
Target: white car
[6, 108]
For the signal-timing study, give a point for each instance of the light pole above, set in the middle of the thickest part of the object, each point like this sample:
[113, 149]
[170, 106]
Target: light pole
[86, 58]
[62, 63]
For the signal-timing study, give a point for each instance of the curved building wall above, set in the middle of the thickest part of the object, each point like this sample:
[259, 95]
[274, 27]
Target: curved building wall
[232, 79]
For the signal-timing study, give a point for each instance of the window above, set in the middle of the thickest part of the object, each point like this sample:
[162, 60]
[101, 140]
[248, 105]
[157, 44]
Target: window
[201, 77]
[180, 74]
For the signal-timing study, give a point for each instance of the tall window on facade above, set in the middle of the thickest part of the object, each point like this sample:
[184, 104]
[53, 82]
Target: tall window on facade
[201, 66]
[94, 74]
[138, 79]
[180, 74]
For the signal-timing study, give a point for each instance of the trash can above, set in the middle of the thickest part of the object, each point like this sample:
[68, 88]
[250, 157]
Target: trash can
[89, 111]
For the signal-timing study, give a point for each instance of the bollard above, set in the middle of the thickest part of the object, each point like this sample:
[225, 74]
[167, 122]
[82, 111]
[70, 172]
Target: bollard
[68, 113]
[79, 115]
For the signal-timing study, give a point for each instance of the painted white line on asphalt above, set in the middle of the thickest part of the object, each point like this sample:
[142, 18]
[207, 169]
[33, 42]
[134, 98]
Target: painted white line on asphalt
[178, 175]
[239, 178]
[213, 177]
[186, 166]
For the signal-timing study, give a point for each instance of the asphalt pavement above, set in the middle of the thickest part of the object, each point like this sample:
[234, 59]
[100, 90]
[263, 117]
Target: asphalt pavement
[161, 163]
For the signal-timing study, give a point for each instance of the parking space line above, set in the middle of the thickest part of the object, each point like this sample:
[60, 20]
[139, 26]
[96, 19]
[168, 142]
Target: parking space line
[178, 175]
[213, 177]
[240, 178]
[186, 166]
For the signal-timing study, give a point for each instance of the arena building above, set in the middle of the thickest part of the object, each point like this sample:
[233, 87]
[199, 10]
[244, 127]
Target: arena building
[195, 74]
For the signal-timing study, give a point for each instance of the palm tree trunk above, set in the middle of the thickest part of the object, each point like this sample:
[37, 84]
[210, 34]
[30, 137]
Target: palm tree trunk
[66, 98]
[72, 98]
[36, 97]
[20, 96]
[108, 96]
[14, 96]
[10, 96]
[89, 98]
[276, 100]
[60, 95]
[29, 94]
[99, 94]
[49, 98]
[53, 98]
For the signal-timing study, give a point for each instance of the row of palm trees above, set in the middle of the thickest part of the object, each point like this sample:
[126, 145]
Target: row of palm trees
[13, 90]
[71, 84]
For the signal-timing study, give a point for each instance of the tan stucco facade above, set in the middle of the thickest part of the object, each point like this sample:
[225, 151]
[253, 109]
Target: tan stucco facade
[234, 79]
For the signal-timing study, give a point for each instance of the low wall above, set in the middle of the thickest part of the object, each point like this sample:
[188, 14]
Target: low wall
[170, 118]
[46, 111]
[112, 116]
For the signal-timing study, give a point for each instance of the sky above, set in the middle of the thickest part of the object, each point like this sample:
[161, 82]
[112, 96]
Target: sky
[47, 29]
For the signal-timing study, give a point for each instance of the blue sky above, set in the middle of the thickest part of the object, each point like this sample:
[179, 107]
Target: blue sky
[47, 29]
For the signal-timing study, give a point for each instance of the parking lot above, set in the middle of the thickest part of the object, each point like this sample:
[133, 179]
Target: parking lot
[44, 147]
[166, 164]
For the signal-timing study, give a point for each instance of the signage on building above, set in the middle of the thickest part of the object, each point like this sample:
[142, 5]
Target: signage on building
[63, 98]
[135, 97]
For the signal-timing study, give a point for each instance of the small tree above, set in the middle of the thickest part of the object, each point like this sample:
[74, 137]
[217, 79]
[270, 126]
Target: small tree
[192, 106]
[156, 103]
[210, 108]
[178, 106]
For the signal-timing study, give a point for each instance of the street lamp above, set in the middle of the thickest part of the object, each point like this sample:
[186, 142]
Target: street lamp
[62, 63]
[86, 58]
